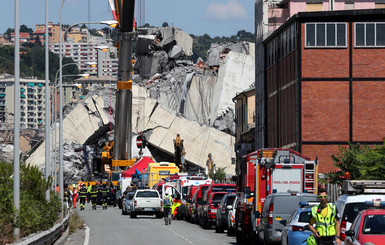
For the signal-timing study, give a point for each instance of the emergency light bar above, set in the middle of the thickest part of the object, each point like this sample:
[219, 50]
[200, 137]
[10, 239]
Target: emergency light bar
[378, 204]
[304, 204]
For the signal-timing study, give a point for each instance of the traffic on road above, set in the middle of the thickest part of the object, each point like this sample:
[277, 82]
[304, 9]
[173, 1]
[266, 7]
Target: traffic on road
[275, 201]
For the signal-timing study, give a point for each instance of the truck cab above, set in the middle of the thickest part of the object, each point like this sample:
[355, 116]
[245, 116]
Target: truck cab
[264, 172]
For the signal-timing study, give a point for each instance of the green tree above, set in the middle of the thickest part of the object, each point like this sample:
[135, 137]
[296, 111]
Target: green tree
[361, 161]
[218, 175]
[24, 28]
[165, 24]
[9, 31]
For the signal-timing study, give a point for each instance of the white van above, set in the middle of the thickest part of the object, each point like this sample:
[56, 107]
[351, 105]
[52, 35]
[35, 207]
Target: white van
[352, 201]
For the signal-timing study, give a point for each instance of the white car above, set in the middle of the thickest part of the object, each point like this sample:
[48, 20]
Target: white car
[231, 218]
[147, 202]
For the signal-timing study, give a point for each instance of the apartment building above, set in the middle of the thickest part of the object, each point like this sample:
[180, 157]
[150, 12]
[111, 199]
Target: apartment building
[32, 103]
[325, 82]
[53, 30]
[85, 54]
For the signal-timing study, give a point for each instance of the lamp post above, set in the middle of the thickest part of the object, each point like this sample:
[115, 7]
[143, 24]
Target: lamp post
[110, 23]
[16, 132]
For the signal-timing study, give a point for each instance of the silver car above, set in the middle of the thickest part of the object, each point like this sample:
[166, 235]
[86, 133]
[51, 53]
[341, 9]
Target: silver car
[126, 203]
[231, 218]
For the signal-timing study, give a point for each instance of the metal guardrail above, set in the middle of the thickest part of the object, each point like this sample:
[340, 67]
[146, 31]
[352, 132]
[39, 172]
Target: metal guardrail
[48, 236]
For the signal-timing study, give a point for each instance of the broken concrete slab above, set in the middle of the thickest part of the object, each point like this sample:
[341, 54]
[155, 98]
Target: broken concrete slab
[236, 74]
[218, 51]
[151, 64]
[169, 35]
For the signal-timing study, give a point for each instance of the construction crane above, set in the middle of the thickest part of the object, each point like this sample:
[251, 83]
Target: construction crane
[117, 154]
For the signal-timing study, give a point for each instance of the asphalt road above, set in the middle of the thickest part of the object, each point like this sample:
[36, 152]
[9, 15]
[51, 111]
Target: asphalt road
[111, 227]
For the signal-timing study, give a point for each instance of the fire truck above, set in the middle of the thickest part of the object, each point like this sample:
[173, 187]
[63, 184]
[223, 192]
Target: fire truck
[266, 171]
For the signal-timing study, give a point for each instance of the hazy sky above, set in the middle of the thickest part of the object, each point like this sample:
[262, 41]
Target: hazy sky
[214, 17]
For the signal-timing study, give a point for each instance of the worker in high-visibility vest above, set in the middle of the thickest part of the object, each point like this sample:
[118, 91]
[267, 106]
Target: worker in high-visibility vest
[326, 221]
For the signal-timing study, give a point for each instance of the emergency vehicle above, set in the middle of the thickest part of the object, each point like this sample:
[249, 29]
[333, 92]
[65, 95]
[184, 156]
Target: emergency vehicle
[266, 171]
[182, 185]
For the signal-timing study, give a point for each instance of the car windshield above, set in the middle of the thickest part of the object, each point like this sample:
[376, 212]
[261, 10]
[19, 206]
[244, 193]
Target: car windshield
[304, 217]
[374, 224]
[147, 194]
[217, 199]
[230, 200]
[351, 211]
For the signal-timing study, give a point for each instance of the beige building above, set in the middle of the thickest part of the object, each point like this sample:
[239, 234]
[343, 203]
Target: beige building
[53, 30]
[77, 35]
[245, 121]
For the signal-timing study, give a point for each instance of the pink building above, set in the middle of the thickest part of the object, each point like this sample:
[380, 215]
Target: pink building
[280, 11]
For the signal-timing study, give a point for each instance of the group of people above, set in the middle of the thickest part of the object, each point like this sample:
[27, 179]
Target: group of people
[85, 193]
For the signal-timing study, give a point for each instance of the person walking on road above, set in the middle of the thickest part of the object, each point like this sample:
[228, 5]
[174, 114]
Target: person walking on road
[94, 196]
[326, 220]
[167, 204]
[83, 196]
[74, 194]
[104, 192]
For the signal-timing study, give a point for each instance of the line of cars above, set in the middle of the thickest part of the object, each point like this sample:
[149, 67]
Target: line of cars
[362, 216]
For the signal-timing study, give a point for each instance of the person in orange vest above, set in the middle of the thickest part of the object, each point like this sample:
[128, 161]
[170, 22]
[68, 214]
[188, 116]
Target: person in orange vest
[74, 194]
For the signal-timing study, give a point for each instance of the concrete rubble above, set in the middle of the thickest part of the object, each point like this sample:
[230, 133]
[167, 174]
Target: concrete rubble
[169, 97]
[6, 153]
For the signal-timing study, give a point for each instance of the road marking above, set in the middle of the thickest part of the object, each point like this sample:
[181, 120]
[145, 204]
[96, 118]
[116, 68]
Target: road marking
[87, 238]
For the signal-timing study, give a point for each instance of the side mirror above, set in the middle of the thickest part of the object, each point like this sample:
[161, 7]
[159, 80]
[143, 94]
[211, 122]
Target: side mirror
[257, 215]
[229, 207]
[350, 233]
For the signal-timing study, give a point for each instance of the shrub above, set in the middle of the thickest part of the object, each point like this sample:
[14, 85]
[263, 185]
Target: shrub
[36, 214]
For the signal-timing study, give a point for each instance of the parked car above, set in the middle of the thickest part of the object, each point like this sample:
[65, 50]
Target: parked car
[214, 187]
[356, 193]
[126, 203]
[146, 202]
[223, 211]
[189, 197]
[210, 209]
[368, 227]
[198, 201]
[296, 229]
[276, 210]
[231, 225]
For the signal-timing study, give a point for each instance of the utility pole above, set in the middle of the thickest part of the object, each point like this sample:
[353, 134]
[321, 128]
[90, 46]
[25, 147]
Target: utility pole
[47, 109]
[16, 127]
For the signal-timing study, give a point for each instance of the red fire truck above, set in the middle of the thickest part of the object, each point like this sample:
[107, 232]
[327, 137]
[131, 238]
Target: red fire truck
[267, 171]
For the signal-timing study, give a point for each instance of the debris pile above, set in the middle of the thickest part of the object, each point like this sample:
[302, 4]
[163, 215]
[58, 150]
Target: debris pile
[170, 96]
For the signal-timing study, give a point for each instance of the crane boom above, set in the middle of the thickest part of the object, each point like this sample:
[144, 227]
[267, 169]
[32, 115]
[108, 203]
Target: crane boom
[123, 122]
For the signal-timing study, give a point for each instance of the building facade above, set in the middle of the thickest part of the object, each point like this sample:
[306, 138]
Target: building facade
[32, 103]
[325, 82]
[86, 53]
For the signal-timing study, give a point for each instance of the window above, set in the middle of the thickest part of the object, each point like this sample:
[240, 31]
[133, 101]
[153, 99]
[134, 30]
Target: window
[369, 34]
[325, 35]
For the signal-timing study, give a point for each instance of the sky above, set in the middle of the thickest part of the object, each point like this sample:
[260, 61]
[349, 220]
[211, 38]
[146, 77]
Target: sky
[198, 17]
